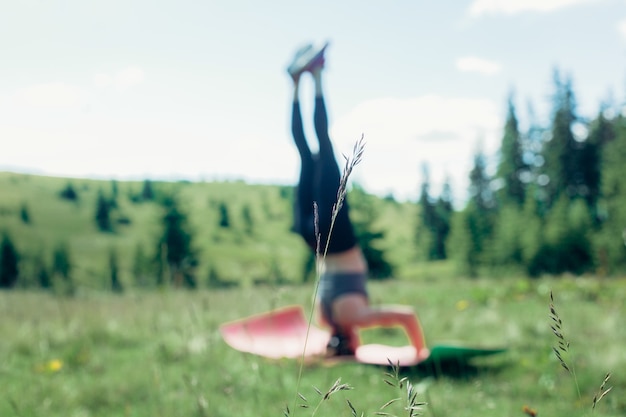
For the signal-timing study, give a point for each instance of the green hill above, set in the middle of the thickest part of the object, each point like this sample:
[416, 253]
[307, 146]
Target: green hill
[255, 243]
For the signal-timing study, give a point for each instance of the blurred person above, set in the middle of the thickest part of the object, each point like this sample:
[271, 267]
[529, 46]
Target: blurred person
[342, 302]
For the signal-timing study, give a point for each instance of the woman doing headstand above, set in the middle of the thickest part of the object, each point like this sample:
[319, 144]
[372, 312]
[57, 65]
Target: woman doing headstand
[343, 301]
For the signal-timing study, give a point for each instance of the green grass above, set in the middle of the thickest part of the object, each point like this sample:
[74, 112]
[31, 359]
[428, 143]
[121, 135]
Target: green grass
[160, 354]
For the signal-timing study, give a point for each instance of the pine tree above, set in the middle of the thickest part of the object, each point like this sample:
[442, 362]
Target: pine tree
[558, 149]
[61, 261]
[602, 132]
[69, 193]
[147, 192]
[116, 285]
[537, 178]
[433, 224]
[103, 213]
[444, 211]
[481, 194]
[475, 223]
[427, 221]
[248, 221]
[62, 266]
[114, 190]
[114, 195]
[512, 167]
[43, 276]
[9, 262]
[25, 214]
[224, 217]
[174, 250]
[565, 153]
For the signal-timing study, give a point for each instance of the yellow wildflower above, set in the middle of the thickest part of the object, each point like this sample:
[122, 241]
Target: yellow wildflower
[54, 365]
[462, 305]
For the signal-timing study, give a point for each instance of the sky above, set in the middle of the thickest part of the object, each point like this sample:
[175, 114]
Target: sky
[198, 90]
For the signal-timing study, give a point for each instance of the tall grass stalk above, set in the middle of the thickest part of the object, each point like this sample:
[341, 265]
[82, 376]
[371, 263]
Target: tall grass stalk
[563, 345]
[412, 406]
[601, 392]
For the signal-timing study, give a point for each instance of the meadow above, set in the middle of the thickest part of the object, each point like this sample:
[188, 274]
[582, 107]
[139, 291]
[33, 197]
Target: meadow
[159, 353]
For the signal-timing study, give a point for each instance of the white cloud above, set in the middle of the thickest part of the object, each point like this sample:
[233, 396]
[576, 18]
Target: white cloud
[621, 28]
[510, 7]
[475, 64]
[121, 80]
[56, 95]
[401, 134]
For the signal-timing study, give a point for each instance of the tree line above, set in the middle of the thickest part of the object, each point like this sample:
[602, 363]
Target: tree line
[554, 204]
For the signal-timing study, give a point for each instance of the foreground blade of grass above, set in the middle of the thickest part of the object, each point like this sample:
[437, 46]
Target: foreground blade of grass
[412, 406]
[601, 392]
[563, 345]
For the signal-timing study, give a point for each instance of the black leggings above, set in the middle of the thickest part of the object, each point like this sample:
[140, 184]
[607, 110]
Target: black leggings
[319, 182]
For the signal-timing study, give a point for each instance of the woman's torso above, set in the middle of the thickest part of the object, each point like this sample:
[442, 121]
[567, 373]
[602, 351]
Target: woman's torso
[351, 260]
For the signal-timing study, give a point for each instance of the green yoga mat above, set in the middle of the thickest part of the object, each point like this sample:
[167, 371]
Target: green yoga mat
[455, 353]
[378, 354]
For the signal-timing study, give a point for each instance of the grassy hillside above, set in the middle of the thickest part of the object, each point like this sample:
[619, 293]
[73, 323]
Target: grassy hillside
[257, 245]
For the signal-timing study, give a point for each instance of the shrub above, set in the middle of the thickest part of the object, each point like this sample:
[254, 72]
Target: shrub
[68, 193]
[9, 262]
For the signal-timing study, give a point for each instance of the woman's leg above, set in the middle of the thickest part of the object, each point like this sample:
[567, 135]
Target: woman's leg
[303, 203]
[327, 180]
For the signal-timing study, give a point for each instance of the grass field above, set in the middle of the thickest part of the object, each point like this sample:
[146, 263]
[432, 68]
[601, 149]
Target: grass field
[157, 352]
[160, 354]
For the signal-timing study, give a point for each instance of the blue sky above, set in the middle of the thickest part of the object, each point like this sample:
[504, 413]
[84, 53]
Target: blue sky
[198, 89]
